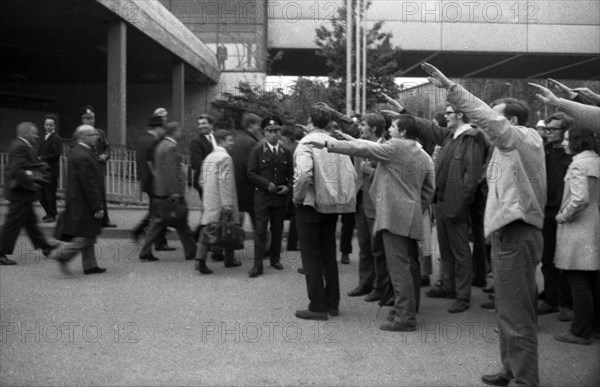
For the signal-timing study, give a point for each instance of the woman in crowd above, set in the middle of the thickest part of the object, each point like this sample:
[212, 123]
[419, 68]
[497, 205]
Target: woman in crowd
[578, 235]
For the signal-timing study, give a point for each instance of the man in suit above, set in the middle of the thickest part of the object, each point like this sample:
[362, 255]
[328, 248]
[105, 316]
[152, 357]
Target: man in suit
[401, 189]
[49, 151]
[84, 210]
[271, 171]
[244, 141]
[102, 151]
[21, 191]
[201, 145]
[218, 183]
[168, 184]
[145, 160]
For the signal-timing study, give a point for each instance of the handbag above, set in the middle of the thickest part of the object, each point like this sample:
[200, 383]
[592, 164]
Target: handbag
[173, 213]
[223, 234]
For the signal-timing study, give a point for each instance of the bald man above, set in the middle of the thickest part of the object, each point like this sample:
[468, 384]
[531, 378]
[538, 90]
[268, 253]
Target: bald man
[85, 206]
[22, 189]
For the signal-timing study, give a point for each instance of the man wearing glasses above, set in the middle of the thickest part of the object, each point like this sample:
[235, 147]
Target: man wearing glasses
[458, 172]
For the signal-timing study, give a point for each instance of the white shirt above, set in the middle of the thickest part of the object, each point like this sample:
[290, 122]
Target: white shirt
[211, 139]
[461, 130]
[47, 135]
[274, 148]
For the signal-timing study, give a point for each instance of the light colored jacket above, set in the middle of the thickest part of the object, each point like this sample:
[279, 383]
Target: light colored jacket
[322, 180]
[217, 179]
[403, 184]
[516, 172]
[578, 232]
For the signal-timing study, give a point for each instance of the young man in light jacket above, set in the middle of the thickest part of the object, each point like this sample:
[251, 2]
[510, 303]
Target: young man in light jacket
[324, 186]
[514, 217]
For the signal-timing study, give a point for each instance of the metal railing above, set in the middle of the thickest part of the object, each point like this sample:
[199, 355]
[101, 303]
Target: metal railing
[121, 177]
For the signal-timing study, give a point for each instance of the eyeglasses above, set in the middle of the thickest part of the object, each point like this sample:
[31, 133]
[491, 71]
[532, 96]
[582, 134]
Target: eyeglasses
[448, 113]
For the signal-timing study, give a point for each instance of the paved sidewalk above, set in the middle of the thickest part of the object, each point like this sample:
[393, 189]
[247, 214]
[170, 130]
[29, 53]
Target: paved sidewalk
[161, 323]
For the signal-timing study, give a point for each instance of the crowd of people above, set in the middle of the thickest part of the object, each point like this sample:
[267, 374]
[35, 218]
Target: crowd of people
[519, 195]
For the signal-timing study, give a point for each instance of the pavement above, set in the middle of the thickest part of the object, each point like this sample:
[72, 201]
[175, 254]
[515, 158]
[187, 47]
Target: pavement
[162, 323]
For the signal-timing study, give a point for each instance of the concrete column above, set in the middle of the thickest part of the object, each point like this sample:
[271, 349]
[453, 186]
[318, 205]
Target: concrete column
[117, 83]
[178, 93]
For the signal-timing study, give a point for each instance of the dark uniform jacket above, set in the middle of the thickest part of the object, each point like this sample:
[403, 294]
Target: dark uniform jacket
[50, 151]
[265, 167]
[240, 153]
[20, 184]
[145, 152]
[84, 193]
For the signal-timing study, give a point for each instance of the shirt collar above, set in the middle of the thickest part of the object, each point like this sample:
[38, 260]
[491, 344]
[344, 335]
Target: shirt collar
[84, 145]
[26, 142]
[171, 139]
[461, 130]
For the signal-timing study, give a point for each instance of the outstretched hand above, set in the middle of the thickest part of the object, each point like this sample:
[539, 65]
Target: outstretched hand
[587, 96]
[545, 95]
[564, 88]
[436, 76]
[392, 101]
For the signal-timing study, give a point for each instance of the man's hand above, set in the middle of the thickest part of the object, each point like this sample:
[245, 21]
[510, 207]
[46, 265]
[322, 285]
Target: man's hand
[319, 144]
[587, 96]
[99, 214]
[227, 210]
[545, 95]
[339, 135]
[283, 190]
[392, 101]
[103, 157]
[564, 88]
[436, 76]
[175, 197]
[272, 188]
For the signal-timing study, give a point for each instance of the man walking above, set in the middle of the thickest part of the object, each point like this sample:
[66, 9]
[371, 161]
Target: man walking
[84, 205]
[23, 182]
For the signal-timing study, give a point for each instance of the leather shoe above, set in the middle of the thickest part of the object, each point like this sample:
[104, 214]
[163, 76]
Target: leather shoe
[358, 291]
[397, 327]
[217, 257]
[565, 314]
[164, 247]
[440, 293]
[48, 250]
[49, 219]
[301, 270]
[570, 338]
[375, 295]
[488, 289]
[546, 309]
[310, 315]
[495, 380]
[333, 312]
[233, 264]
[277, 265]
[5, 261]
[255, 272]
[95, 270]
[458, 307]
[489, 305]
[202, 268]
[345, 259]
[109, 225]
[148, 258]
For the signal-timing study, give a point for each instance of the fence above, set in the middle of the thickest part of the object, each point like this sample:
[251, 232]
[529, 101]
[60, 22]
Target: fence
[121, 179]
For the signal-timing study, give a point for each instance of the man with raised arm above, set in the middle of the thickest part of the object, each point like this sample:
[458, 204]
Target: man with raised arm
[514, 217]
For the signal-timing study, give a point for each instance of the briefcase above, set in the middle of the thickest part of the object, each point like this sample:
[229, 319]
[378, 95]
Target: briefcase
[223, 234]
[173, 213]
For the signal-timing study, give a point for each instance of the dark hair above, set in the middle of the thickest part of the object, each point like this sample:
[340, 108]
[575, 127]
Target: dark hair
[407, 122]
[292, 132]
[441, 119]
[320, 116]
[221, 134]
[514, 108]
[581, 139]
[207, 117]
[52, 117]
[465, 118]
[170, 127]
[565, 121]
[376, 121]
[249, 119]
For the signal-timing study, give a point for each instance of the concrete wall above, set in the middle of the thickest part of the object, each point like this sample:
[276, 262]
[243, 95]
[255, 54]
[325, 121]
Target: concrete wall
[557, 26]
